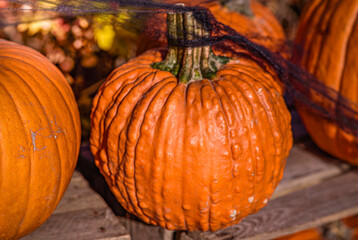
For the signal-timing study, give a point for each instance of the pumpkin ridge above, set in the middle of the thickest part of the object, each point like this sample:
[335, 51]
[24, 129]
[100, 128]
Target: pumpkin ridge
[253, 135]
[265, 84]
[268, 120]
[63, 89]
[338, 131]
[336, 8]
[36, 98]
[124, 91]
[48, 125]
[214, 86]
[206, 197]
[323, 22]
[272, 23]
[162, 128]
[96, 106]
[354, 25]
[158, 163]
[202, 93]
[272, 96]
[190, 198]
[235, 108]
[253, 174]
[56, 87]
[160, 133]
[135, 145]
[28, 188]
[119, 96]
[125, 129]
[61, 185]
[309, 38]
[185, 117]
[247, 71]
[262, 101]
[145, 77]
[129, 71]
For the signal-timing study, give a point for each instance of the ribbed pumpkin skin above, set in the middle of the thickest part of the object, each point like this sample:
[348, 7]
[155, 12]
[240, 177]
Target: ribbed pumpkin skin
[196, 156]
[262, 28]
[328, 34]
[39, 139]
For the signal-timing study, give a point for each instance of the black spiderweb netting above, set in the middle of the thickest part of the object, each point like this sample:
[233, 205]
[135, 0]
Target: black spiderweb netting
[303, 87]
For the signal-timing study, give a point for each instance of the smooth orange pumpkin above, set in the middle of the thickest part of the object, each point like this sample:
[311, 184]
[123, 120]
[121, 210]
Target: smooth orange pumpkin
[194, 153]
[39, 138]
[328, 36]
[259, 25]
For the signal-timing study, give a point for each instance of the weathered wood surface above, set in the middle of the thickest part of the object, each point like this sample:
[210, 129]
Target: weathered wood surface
[81, 215]
[307, 166]
[316, 189]
[309, 207]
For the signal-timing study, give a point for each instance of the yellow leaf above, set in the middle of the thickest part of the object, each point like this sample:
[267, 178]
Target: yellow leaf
[104, 36]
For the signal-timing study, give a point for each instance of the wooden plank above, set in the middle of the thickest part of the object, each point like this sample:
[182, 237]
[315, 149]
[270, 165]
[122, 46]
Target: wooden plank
[311, 207]
[81, 215]
[89, 224]
[139, 230]
[79, 196]
[304, 168]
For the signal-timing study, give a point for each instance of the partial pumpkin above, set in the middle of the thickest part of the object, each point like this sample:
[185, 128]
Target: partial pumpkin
[254, 21]
[188, 152]
[328, 37]
[39, 139]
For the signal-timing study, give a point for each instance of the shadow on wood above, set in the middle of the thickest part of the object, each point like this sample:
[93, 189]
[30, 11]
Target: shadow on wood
[137, 229]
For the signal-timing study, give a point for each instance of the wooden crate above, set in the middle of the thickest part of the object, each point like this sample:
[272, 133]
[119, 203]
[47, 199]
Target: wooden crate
[316, 189]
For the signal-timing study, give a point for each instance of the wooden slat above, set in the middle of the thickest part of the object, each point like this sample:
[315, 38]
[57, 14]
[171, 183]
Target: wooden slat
[81, 215]
[89, 224]
[79, 196]
[311, 207]
[304, 168]
[140, 231]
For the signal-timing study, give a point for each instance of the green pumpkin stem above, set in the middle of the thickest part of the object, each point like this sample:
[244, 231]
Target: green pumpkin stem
[188, 63]
[240, 6]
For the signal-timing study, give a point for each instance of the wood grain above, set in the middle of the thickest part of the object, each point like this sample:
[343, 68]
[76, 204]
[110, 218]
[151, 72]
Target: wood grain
[79, 196]
[310, 207]
[142, 231]
[89, 224]
[81, 215]
[305, 168]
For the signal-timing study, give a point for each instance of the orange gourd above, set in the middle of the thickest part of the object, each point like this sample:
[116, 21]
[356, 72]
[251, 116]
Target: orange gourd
[39, 139]
[185, 151]
[196, 156]
[328, 36]
[257, 23]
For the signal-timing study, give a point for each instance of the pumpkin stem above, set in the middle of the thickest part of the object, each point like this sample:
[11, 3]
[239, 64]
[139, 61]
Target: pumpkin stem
[188, 63]
[240, 6]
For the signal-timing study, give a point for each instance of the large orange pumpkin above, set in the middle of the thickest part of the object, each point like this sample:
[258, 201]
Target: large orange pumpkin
[257, 23]
[328, 36]
[194, 153]
[39, 139]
